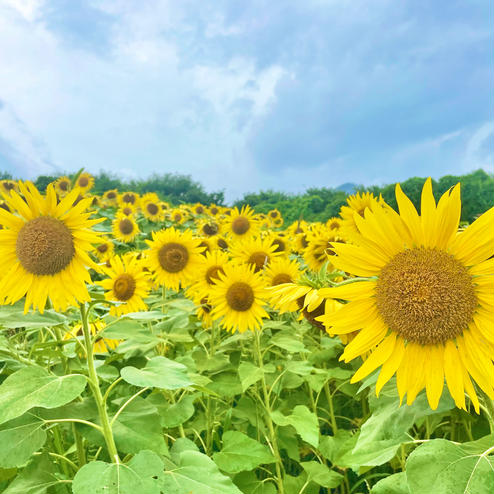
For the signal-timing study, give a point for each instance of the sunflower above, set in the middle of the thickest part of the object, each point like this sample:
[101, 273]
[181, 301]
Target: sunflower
[273, 214]
[174, 257]
[127, 284]
[177, 216]
[280, 242]
[207, 271]
[128, 198]
[110, 197]
[282, 270]
[7, 186]
[150, 206]
[427, 309]
[213, 210]
[100, 345]
[241, 224]
[127, 210]
[124, 228]
[63, 185]
[198, 209]
[209, 227]
[277, 222]
[334, 225]
[357, 203]
[238, 298]
[203, 310]
[104, 250]
[221, 242]
[85, 182]
[256, 251]
[44, 248]
[319, 249]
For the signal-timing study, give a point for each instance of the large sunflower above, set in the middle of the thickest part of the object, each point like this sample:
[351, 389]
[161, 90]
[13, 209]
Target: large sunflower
[241, 224]
[124, 228]
[44, 248]
[174, 257]
[427, 309]
[238, 298]
[127, 284]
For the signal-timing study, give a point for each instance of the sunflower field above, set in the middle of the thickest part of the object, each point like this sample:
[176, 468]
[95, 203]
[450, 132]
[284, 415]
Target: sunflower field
[147, 348]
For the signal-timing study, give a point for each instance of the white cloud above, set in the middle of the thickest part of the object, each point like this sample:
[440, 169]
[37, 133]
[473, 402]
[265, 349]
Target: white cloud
[28, 9]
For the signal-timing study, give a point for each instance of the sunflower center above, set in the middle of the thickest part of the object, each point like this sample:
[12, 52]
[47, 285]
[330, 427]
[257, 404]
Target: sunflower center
[279, 245]
[111, 195]
[102, 248]
[212, 274]
[206, 307]
[129, 198]
[152, 208]
[214, 211]
[8, 185]
[124, 287]
[126, 226]
[210, 229]
[222, 244]
[426, 296]
[273, 214]
[281, 278]
[304, 242]
[64, 185]
[240, 296]
[240, 225]
[45, 246]
[83, 181]
[310, 316]
[258, 259]
[177, 217]
[173, 257]
[199, 210]
[127, 211]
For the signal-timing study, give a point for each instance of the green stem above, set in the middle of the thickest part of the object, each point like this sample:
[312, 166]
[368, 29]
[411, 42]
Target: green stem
[79, 444]
[329, 398]
[488, 408]
[59, 447]
[95, 388]
[269, 421]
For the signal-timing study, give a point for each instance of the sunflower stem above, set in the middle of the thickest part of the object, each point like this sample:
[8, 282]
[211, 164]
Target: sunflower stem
[269, 421]
[488, 409]
[95, 388]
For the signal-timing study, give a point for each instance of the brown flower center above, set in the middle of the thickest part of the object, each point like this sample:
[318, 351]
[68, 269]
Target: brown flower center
[222, 244]
[210, 229]
[102, 248]
[173, 257]
[45, 246]
[124, 287]
[426, 296]
[152, 208]
[127, 211]
[212, 274]
[199, 210]
[63, 185]
[259, 260]
[240, 296]
[206, 307]
[129, 198]
[310, 316]
[83, 181]
[111, 195]
[214, 211]
[126, 226]
[8, 185]
[273, 214]
[281, 278]
[279, 245]
[177, 217]
[240, 225]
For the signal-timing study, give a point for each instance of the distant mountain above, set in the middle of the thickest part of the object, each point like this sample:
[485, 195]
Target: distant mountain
[347, 187]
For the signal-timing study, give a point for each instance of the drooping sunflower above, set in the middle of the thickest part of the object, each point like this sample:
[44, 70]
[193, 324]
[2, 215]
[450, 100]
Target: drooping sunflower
[85, 182]
[100, 345]
[127, 284]
[357, 203]
[44, 248]
[256, 251]
[238, 298]
[241, 224]
[63, 185]
[174, 257]
[427, 309]
[124, 228]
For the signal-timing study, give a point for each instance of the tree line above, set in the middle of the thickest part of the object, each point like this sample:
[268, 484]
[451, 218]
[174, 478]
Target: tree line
[315, 204]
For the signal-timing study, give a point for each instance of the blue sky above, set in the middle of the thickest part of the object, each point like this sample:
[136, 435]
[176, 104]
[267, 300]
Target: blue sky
[247, 95]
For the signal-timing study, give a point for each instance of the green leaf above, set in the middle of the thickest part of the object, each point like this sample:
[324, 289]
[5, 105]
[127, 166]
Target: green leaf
[288, 341]
[34, 387]
[173, 415]
[17, 319]
[249, 374]
[393, 484]
[321, 474]
[159, 372]
[248, 483]
[240, 453]
[36, 478]
[142, 475]
[443, 467]
[304, 422]
[194, 473]
[19, 439]
[334, 448]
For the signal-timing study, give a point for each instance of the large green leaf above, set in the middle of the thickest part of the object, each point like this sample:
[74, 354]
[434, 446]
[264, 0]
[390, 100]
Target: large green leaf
[142, 475]
[192, 472]
[304, 422]
[17, 319]
[289, 341]
[34, 387]
[248, 483]
[444, 467]
[172, 414]
[240, 453]
[393, 484]
[321, 474]
[159, 372]
[249, 374]
[36, 478]
[19, 439]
